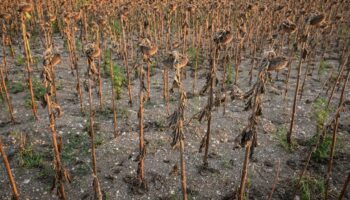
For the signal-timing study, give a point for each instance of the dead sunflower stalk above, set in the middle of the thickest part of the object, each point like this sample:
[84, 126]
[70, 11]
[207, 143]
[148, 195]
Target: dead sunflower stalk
[334, 136]
[70, 36]
[176, 120]
[148, 50]
[92, 52]
[24, 10]
[311, 21]
[142, 148]
[96, 30]
[221, 38]
[249, 134]
[8, 98]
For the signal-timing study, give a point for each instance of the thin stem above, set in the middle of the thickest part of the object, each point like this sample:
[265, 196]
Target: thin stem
[244, 171]
[9, 173]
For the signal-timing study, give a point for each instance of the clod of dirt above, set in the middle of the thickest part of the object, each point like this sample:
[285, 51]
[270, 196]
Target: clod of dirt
[136, 187]
[205, 170]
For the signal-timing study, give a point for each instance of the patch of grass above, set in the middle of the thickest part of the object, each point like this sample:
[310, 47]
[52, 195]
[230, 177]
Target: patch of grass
[229, 74]
[311, 188]
[83, 169]
[118, 72]
[65, 44]
[160, 125]
[29, 158]
[226, 163]
[39, 92]
[172, 99]
[58, 85]
[123, 113]
[152, 67]
[324, 66]
[119, 80]
[106, 56]
[281, 137]
[193, 56]
[78, 45]
[321, 154]
[15, 87]
[38, 89]
[75, 146]
[249, 182]
[320, 112]
[98, 141]
[155, 144]
[116, 27]
[46, 173]
[55, 27]
[27, 103]
[20, 60]
[105, 112]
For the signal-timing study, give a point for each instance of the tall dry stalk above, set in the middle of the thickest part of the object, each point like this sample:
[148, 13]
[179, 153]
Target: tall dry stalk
[334, 136]
[342, 66]
[54, 111]
[303, 54]
[92, 52]
[176, 120]
[249, 135]
[95, 28]
[221, 38]
[148, 49]
[346, 183]
[210, 105]
[5, 41]
[241, 194]
[9, 173]
[7, 95]
[24, 15]
[312, 20]
[70, 36]
[142, 148]
[111, 71]
[124, 19]
[278, 169]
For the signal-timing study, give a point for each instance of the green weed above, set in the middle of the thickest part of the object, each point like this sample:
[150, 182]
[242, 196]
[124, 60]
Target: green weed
[193, 56]
[282, 140]
[229, 74]
[20, 60]
[320, 112]
[15, 87]
[29, 158]
[38, 89]
[311, 188]
[323, 67]
[75, 146]
[116, 27]
[106, 56]
[119, 80]
[321, 154]
[46, 173]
